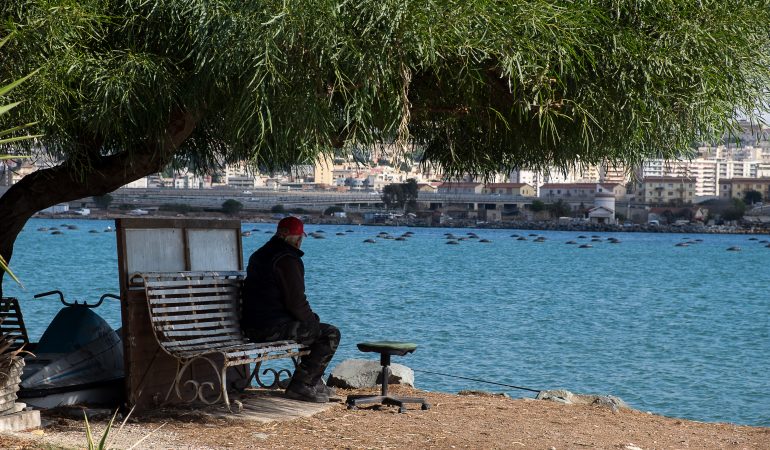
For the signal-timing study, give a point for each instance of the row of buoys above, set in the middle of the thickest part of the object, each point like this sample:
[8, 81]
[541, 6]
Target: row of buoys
[56, 230]
[611, 240]
[387, 236]
[64, 225]
[763, 241]
[455, 240]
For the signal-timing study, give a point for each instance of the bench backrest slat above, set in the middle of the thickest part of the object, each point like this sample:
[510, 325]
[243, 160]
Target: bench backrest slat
[175, 326]
[159, 300]
[194, 312]
[190, 317]
[203, 291]
[176, 310]
[205, 332]
[187, 283]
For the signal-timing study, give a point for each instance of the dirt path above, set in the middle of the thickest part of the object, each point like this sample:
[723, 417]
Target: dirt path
[454, 421]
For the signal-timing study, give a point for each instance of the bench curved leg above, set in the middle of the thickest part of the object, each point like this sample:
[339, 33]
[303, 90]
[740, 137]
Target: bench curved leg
[223, 384]
[174, 384]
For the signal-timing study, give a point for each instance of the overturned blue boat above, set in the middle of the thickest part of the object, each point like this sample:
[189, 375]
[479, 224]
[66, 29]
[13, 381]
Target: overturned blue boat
[79, 360]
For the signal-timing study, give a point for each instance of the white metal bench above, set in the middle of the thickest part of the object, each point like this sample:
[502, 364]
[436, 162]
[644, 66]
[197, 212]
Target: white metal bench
[196, 316]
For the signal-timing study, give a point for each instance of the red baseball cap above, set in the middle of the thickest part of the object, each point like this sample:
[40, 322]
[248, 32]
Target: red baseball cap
[292, 225]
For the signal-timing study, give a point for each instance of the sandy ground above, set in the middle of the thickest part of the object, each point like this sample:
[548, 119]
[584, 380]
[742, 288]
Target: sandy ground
[454, 421]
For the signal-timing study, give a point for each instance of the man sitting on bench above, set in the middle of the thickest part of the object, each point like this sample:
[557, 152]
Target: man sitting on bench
[275, 308]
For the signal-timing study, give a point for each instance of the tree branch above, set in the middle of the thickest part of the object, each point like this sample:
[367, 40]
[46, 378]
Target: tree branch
[48, 187]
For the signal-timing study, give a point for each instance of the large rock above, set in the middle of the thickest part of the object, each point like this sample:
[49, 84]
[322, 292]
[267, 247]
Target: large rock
[567, 397]
[362, 373]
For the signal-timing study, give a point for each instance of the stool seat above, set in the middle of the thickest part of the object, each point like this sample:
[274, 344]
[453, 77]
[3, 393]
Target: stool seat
[389, 347]
[386, 349]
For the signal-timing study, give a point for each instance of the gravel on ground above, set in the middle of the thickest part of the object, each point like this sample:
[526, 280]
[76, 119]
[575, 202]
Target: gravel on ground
[475, 421]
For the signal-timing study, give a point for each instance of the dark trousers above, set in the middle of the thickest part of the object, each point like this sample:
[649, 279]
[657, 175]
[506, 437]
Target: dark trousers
[322, 339]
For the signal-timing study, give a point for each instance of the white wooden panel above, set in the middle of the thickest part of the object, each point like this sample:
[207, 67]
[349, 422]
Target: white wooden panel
[212, 249]
[154, 250]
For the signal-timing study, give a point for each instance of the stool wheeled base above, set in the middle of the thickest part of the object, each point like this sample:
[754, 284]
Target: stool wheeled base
[385, 349]
[355, 400]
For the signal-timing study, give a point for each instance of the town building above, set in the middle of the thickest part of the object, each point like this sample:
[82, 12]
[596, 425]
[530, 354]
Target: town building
[460, 188]
[666, 190]
[579, 192]
[521, 189]
[738, 187]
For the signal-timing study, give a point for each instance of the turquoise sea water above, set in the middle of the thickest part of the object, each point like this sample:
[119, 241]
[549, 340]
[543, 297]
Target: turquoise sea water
[677, 331]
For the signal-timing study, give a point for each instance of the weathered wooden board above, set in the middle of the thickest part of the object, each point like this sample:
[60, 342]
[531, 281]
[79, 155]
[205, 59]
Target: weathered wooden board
[214, 249]
[151, 250]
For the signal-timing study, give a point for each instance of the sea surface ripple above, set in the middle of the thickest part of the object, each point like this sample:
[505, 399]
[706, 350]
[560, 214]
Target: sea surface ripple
[678, 331]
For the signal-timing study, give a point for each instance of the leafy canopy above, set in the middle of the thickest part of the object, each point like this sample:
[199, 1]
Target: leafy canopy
[476, 85]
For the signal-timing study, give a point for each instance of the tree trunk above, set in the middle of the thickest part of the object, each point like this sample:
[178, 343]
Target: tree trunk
[48, 187]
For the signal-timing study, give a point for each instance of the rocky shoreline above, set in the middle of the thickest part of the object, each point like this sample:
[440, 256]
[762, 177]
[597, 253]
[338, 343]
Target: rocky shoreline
[508, 225]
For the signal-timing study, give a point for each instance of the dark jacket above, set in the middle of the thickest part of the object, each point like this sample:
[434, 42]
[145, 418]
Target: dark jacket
[274, 290]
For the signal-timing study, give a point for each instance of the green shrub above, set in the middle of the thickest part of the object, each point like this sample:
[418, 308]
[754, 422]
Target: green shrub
[103, 201]
[333, 209]
[232, 207]
[182, 208]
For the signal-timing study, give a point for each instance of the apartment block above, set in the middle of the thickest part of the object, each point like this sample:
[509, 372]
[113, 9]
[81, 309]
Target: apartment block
[666, 190]
[737, 187]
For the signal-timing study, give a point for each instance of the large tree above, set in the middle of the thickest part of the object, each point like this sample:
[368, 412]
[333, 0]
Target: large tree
[127, 87]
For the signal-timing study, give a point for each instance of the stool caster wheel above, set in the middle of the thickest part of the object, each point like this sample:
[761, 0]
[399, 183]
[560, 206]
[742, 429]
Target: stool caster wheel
[425, 407]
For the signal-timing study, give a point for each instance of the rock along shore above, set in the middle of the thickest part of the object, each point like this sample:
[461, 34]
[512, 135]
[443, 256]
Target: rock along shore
[355, 220]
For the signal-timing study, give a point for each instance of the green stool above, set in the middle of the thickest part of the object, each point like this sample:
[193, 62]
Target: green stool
[385, 349]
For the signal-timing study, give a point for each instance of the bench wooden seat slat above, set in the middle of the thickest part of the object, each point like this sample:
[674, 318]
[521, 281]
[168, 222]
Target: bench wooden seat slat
[197, 315]
[206, 340]
[243, 351]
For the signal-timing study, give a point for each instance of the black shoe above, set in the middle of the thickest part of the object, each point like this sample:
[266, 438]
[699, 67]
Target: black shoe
[306, 393]
[320, 386]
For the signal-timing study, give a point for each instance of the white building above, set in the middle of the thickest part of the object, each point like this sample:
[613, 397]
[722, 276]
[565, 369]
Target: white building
[141, 183]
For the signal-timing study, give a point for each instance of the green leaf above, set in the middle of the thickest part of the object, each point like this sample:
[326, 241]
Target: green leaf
[103, 441]
[5, 108]
[5, 89]
[4, 266]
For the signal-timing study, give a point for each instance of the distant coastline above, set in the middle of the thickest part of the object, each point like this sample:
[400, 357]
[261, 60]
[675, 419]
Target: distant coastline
[357, 220]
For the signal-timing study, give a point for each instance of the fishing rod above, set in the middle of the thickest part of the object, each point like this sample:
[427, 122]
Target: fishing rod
[480, 381]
